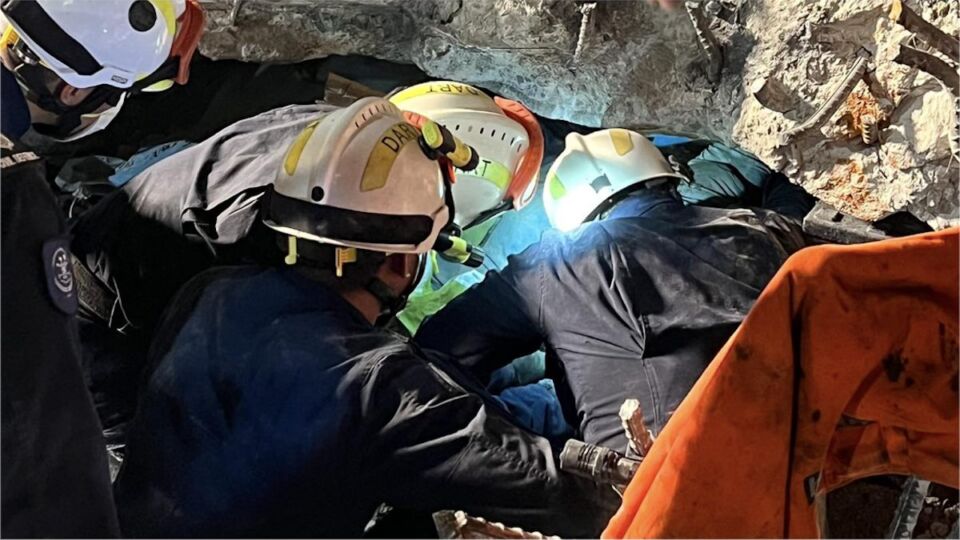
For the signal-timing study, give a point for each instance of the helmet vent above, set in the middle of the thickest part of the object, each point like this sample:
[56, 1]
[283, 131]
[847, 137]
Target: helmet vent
[142, 15]
[493, 133]
[457, 128]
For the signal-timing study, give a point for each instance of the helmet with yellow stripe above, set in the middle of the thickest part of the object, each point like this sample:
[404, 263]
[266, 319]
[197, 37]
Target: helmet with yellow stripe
[597, 170]
[359, 177]
[116, 46]
[506, 136]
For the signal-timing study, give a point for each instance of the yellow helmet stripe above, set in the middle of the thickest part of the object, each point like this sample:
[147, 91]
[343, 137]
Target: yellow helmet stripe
[622, 142]
[384, 154]
[493, 171]
[296, 149]
[557, 191]
[169, 12]
[439, 87]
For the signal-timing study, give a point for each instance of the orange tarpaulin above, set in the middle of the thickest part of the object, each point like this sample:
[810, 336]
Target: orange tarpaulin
[846, 367]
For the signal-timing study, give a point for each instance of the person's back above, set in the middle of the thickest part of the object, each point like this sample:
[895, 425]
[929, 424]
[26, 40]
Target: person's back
[628, 308]
[632, 306]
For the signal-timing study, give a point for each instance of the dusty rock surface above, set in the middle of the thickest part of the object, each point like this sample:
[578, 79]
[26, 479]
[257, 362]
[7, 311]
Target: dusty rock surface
[641, 67]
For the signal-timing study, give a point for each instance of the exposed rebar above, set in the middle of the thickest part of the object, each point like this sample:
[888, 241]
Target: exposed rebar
[235, 11]
[586, 13]
[930, 34]
[708, 42]
[929, 63]
[854, 76]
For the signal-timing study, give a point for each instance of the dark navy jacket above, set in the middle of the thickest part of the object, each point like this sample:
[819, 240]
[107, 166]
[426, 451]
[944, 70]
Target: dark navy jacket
[275, 409]
[633, 306]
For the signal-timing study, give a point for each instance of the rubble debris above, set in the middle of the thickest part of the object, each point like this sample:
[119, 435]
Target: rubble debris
[940, 514]
[930, 34]
[458, 524]
[641, 438]
[943, 71]
[708, 42]
[828, 224]
[602, 465]
[642, 68]
[839, 96]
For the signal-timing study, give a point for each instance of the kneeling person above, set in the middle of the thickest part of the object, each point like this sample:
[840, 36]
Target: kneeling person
[276, 407]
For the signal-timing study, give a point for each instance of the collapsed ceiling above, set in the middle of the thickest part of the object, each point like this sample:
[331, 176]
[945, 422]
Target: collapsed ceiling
[752, 71]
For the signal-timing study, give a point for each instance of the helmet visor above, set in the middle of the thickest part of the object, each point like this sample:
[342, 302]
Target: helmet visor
[343, 225]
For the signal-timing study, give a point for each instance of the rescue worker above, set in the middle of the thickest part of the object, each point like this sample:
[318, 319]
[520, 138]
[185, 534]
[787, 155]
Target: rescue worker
[200, 207]
[634, 301]
[276, 407]
[66, 67]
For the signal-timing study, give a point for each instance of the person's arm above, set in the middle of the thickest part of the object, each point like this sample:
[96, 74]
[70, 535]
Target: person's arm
[494, 322]
[436, 446]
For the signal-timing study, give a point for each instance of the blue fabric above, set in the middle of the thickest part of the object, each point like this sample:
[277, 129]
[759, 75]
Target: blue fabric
[14, 114]
[537, 408]
[724, 175]
[666, 140]
[144, 159]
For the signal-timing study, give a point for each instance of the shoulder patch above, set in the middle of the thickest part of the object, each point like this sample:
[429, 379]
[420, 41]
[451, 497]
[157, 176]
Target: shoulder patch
[16, 159]
[58, 267]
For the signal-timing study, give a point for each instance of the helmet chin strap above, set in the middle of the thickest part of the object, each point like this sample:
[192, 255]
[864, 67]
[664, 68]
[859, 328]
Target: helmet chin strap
[390, 302]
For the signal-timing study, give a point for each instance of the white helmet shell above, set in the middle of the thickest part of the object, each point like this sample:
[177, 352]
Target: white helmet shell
[594, 168]
[357, 177]
[473, 117]
[89, 43]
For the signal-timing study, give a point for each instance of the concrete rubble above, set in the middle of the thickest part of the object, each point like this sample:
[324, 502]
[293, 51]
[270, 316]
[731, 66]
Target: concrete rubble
[622, 63]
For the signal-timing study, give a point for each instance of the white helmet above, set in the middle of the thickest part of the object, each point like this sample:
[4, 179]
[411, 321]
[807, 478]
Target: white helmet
[593, 169]
[112, 46]
[506, 136]
[106, 42]
[358, 178]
